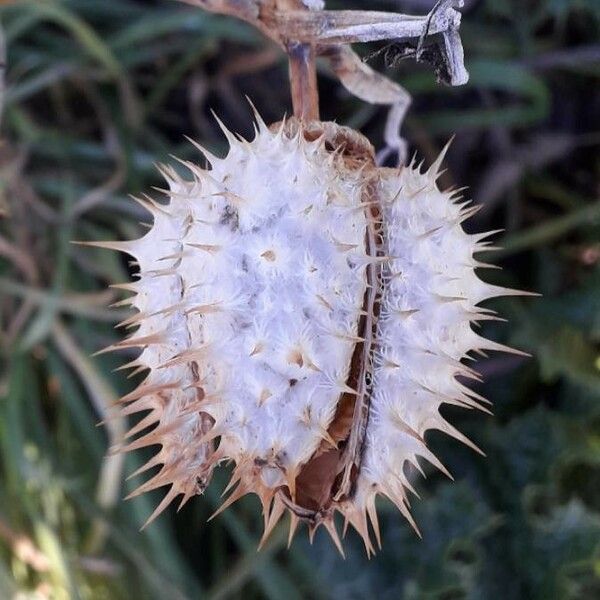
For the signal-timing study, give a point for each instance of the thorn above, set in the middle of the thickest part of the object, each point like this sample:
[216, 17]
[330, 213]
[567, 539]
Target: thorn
[170, 496]
[294, 520]
[468, 213]
[108, 245]
[154, 438]
[417, 192]
[210, 248]
[187, 356]
[324, 302]
[455, 193]
[134, 342]
[214, 432]
[476, 264]
[153, 462]
[372, 512]
[132, 321]
[330, 526]
[448, 299]
[327, 437]
[205, 309]
[168, 173]
[400, 503]
[209, 156]
[433, 459]
[359, 522]
[341, 246]
[491, 345]
[239, 491]
[291, 475]
[233, 198]
[168, 272]
[262, 126]
[346, 337]
[497, 291]
[193, 168]
[429, 233]
[235, 477]
[231, 139]
[479, 237]
[273, 518]
[156, 481]
[150, 205]
[130, 365]
[150, 419]
[121, 303]
[486, 247]
[474, 395]
[448, 429]
[176, 256]
[367, 259]
[186, 496]
[404, 314]
[137, 371]
[147, 390]
[434, 170]
[128, 287]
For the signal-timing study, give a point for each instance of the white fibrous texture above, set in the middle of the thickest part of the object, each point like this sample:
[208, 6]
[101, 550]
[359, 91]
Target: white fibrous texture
[302, 315]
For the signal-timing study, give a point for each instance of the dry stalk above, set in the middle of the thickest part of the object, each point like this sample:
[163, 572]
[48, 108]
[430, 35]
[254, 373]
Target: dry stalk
[305, 31]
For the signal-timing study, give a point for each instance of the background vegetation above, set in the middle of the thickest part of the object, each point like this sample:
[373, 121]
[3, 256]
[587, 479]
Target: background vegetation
[95, 93]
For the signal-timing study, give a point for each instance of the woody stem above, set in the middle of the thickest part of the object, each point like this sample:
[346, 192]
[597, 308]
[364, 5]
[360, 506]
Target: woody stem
[303, 80]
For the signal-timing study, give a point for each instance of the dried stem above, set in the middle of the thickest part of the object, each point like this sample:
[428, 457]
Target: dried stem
[304, 30]
[302, 21]
[303, 80]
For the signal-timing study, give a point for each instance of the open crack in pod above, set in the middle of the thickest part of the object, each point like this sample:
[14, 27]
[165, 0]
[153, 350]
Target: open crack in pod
[303, 314]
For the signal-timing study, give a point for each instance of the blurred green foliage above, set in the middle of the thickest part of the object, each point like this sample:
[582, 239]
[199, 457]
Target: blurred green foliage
[95, 94]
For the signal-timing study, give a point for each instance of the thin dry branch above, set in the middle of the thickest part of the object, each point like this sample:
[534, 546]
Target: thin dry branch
[324, 28]
[303, 29]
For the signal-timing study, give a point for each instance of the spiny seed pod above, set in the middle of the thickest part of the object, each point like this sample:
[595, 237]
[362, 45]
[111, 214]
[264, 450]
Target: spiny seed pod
[303, 314]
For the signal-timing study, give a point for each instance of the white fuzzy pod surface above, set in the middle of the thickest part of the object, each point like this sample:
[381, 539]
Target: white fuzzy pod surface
[302, 314]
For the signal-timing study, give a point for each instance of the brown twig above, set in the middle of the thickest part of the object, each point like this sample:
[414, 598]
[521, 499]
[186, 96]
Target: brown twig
[304, 30]
[303, 80]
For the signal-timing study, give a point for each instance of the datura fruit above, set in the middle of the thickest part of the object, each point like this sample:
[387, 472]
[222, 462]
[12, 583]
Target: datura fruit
[302, 315]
